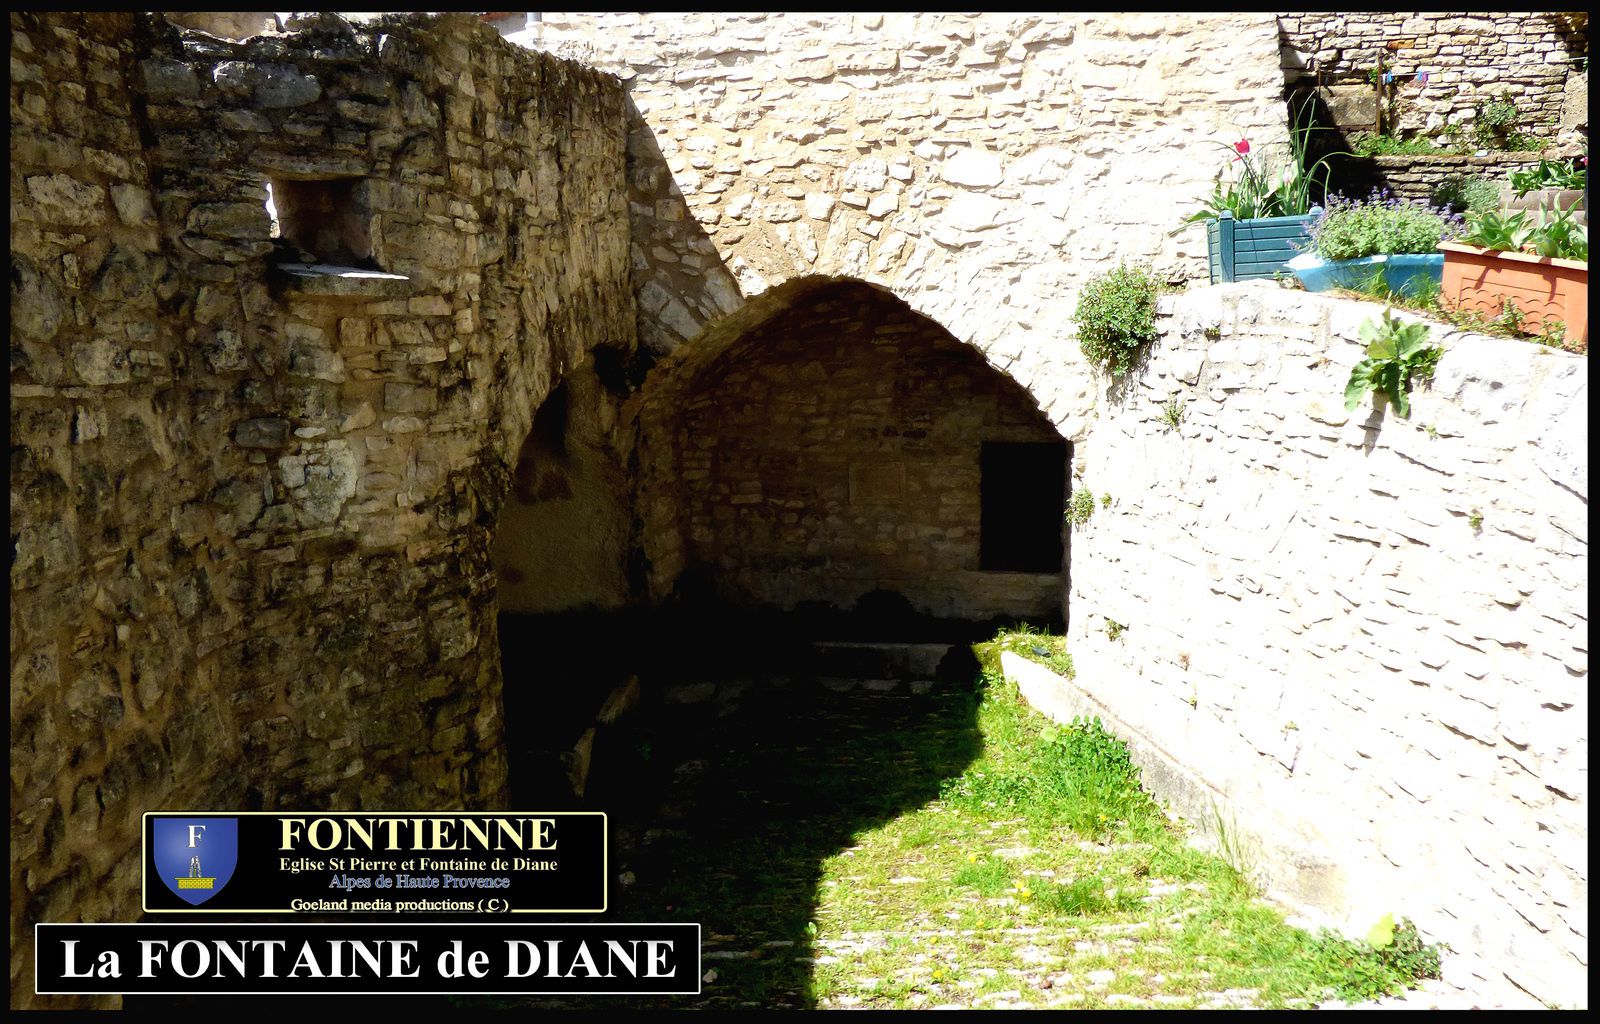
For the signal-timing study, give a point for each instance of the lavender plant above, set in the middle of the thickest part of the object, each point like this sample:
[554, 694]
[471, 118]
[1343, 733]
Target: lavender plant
[1382, 224]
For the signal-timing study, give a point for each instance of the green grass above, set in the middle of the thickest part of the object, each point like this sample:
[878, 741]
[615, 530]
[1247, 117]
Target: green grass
[1032, 643]
[959, 849]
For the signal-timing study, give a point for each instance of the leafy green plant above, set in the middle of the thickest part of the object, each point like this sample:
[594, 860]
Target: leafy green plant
[1114, 629]
[1465, 194]
[1553, 334]
[1172, 412]
[1353, 229]
[1511, 316]
[1081, 507]
[1393, 956]
[1564, 174]
[1116, 317]
[1475, 520]
[1371, 144]
[1494, 122]
[1105, 500]
[1494, 230]
[1560, 237]
[1396, 353]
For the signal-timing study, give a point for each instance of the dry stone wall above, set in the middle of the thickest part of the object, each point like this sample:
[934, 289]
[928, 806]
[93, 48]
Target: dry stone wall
[1363, 638]
[829, 452]
[251, 511]
[1468, 57]
[980, 167]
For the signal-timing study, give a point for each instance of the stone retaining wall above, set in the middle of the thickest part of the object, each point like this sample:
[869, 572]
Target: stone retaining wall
[251, 512]
[1365, 637]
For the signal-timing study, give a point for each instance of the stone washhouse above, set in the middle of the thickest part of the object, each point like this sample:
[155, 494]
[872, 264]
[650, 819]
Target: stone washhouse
[335, 342]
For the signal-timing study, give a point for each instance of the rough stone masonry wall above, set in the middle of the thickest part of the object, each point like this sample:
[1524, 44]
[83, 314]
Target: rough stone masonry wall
[978, 166]
[1468, 57]
[250, 519]
[1366, 637]
[832, 451]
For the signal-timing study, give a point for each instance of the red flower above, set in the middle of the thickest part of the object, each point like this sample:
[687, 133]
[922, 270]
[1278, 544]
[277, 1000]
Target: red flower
[1243, 146]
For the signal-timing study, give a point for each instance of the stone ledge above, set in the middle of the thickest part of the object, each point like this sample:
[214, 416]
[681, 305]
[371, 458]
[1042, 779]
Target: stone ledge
[326, 280]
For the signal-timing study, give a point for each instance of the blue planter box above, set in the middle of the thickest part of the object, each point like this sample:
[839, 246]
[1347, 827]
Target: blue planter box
[1402, 274]
[1244, 250]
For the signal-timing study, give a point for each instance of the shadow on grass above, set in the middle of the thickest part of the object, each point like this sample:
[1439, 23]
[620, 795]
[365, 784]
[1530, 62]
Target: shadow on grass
[724, 812]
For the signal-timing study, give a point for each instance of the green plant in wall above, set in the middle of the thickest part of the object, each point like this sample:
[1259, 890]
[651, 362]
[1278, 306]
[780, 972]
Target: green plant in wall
[1396, 353]
[1105, 500]
[1475, 520]
[1172, 412]
[1081, 507]
[1114, 629]
[1116, 317]
[1494, 123]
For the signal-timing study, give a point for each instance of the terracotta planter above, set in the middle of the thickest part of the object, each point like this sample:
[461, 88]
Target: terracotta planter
[1544, 289]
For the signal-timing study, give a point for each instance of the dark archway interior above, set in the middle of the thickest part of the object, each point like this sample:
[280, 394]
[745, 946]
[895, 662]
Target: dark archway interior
[856, 497]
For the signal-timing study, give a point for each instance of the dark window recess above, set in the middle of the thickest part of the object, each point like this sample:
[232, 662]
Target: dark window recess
[1023, 495]
[329, 221]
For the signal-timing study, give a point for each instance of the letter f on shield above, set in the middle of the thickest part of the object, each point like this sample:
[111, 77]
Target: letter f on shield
[195, 857]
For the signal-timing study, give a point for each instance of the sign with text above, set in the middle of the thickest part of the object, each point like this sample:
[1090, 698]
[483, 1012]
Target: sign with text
[375, 862]
[362, 958]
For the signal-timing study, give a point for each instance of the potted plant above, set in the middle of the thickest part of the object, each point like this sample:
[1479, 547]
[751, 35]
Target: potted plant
[1538, 273]
[1548, 188]
[1357, 244]
[1255, 221]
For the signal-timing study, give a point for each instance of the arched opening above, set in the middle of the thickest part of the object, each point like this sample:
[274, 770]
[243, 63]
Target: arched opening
[844, 457]
[560, 554]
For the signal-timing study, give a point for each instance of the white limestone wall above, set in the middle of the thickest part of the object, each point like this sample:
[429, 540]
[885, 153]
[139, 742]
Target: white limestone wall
[979, 166]
[1362, 638]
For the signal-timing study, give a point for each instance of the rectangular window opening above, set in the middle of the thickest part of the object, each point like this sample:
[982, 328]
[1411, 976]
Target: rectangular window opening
[328, 220]
[1023, 496]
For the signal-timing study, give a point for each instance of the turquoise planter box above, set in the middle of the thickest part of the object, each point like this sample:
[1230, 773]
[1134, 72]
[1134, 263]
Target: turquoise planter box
[1245, 250]
[1402, 273]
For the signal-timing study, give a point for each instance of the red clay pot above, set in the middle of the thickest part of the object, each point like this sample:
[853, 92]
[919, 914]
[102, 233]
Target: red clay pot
[1544, 289]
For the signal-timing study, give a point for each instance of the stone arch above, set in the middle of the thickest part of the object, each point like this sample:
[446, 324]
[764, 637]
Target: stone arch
[825, 442]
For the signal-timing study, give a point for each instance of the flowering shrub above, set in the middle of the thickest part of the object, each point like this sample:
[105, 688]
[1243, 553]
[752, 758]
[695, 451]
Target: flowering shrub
[1379, 225]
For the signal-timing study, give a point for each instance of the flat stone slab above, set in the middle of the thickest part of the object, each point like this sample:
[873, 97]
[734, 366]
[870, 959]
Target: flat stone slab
[332, 281]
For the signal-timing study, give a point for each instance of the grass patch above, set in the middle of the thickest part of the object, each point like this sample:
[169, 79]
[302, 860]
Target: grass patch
[989, 876]
[960, 849]
[1034, 644]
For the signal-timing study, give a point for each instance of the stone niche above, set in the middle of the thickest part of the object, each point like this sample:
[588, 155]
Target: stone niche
[836, 450]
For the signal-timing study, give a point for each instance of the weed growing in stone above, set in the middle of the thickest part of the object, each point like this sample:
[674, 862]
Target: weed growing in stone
[1172, 412]
[1114, 628]
[1396, 354]
[1081, 507]
[1116, 317]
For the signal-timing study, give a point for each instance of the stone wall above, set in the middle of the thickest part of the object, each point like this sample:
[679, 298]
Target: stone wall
[1419, 177]
[251, 511]
[1363, 639]
[1467, 57]
[829, 451]
[980, 167]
